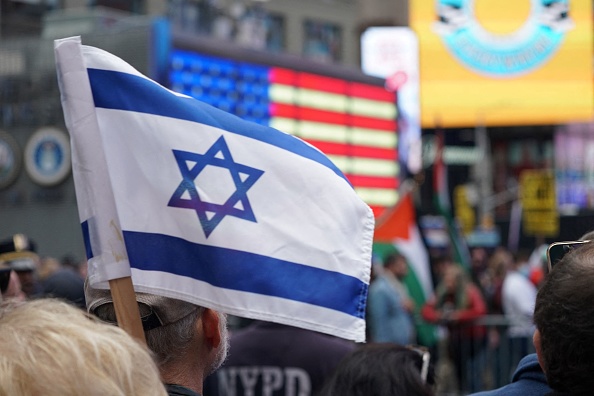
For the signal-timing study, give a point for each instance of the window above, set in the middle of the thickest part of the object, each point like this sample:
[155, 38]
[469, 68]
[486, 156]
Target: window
[322, 41]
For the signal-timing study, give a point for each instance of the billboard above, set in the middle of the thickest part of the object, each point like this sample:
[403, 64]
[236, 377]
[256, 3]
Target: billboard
[352, 120]
[504, 62]
[392, 53]
[574, 167]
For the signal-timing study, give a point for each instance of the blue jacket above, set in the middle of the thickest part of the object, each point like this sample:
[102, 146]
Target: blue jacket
[390, 322]
[528, 380]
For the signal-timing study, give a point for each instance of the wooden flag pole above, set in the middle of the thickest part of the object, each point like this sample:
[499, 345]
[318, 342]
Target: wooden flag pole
[126, 307]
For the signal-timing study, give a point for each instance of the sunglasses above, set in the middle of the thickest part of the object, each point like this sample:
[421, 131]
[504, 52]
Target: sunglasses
[4, 279]
[425, 359]
[557, 250]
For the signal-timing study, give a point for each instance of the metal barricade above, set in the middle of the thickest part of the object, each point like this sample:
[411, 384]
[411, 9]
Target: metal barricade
[478, 356]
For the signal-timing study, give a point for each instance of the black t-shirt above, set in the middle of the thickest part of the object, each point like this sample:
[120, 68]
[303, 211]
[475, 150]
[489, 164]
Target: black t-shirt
[277, 360]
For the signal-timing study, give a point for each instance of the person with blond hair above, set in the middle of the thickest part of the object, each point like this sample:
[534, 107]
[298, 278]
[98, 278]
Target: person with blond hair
[49, 347]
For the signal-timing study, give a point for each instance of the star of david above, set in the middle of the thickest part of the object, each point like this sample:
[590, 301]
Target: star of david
[211, 214]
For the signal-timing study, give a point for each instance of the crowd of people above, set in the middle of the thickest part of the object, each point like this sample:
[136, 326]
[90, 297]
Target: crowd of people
[482, 315]
[49, 345]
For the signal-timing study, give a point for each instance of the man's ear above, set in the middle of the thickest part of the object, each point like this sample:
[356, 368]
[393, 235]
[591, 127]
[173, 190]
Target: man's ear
[211, 328]
[538, 348]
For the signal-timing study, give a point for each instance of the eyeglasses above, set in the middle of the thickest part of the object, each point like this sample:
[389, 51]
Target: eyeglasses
[557, 250]
[425, 359]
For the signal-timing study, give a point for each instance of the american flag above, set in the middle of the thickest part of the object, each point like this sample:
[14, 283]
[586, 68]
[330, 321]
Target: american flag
[353, 123]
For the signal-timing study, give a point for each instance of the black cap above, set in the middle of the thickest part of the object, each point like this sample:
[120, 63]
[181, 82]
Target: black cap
[19, 253]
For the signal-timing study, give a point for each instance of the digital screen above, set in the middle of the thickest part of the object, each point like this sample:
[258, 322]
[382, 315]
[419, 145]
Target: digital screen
[353, 123]
[504, 62]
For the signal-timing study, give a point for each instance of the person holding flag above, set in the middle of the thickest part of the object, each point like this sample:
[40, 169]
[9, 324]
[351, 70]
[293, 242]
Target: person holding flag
[189, 213]
[456, 304]
[390, 306]
[397, 232]
[188, 342]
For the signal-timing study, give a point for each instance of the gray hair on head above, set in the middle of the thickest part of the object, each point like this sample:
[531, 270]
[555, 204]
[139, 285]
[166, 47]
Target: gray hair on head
[167, 342]
[173, 340]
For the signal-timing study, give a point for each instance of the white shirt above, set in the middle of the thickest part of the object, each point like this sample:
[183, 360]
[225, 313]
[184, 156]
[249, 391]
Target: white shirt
[518, 298]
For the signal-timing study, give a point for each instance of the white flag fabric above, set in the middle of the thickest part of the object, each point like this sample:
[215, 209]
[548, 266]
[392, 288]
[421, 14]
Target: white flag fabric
[199, 205]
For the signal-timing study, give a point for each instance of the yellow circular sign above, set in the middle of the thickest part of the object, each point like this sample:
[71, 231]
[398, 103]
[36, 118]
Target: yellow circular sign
[502, 17]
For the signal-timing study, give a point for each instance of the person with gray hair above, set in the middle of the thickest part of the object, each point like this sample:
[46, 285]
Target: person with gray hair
[189, 342]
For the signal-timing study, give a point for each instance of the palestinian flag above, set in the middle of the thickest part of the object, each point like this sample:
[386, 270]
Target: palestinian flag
[397, 230]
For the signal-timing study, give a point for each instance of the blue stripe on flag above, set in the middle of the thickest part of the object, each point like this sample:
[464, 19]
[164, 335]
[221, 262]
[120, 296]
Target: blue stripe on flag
[87, 239]
[123, 91]
[225, 268]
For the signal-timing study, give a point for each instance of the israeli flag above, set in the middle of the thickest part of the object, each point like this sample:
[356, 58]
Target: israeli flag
[199, 205]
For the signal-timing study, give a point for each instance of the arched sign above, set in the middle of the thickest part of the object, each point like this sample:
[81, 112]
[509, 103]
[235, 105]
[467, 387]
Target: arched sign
[503, 55]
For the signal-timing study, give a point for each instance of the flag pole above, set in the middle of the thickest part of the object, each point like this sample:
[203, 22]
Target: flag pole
[442, 202]
[126, 307]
